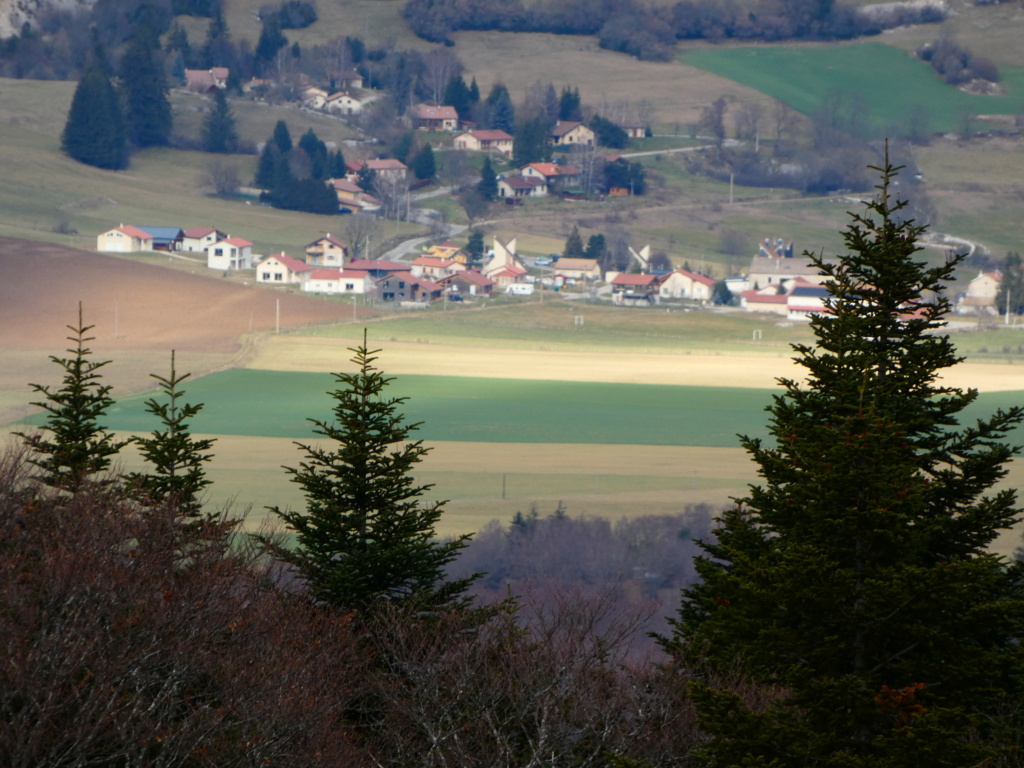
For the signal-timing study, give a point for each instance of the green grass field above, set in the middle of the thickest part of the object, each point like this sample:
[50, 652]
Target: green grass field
[889, 80]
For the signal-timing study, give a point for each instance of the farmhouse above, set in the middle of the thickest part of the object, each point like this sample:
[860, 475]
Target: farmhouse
[343, 103]
[164, 238]
[767, 300]
[282, 269]
[326, 251]
[386, 167]
[634, 290]
[314, 97]
[428, 117]
[772, 270]
[682, 284]
[232, 253]
[514, 187]
[980, 297]
[197, 239]
[578, 269]
[405, 286]
[556, 176]
[339, 281]
[352, 197]
[206, 80]
[124, 238]
[566, 133]
[485, 141]
[434, 268]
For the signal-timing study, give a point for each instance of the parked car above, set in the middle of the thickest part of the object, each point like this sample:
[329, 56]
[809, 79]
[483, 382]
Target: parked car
[543, 261]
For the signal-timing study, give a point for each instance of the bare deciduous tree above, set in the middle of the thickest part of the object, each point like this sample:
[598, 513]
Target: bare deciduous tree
[361, 231]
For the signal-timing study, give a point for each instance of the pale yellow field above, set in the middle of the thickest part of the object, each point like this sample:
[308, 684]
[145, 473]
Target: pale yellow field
[319, 354]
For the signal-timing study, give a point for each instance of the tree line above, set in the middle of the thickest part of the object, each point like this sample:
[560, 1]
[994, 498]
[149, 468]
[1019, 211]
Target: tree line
[848, 610]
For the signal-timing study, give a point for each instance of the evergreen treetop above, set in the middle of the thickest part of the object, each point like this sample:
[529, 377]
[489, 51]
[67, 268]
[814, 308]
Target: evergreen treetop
[148, 109]
[94, 133]
[573, 244]
[219, 133]
[488, 184]
[855, 580]
[72, 446]
[366, 534]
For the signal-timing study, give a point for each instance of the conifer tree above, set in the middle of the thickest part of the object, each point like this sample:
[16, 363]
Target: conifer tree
[573, 244]
[488, 184]
[282, 137]
[94, 133]
[148, 109]
[366, 534]
[423, 164]
[855, 582]
[177, 459]
[72, 446]
[219, 134]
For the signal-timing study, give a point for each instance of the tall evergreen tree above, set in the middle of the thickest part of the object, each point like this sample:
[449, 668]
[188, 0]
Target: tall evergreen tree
[311, 144]
[72, 446]
[569, 105]
[573, 244]
[267, 166]
[177, 459]
[488, 184]
[282, 137]
[595, 247]
[423, 164]
[503, 115]
[219, 134]
[855, 583]
[531, 143]
[475, 245]
[94, 132]
[1010, 295]
[456, 95]
[366, 534]
[148, 109]
[271, 40]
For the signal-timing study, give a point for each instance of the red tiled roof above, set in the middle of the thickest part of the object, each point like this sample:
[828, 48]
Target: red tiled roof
[765, 298]
[133, 231]
[332, 240]
[198, 232]
[628, 279]
[430, 112]
[553, 169]
[381, 265]
[287, 261]
[696, 278]
[432, 261]
[238, 241]
[491, 135]
[564, 127]
[325, 274]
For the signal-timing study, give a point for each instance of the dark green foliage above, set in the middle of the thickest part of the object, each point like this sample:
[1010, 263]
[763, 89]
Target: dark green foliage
[94, 133]
[475, 245]
[366, 534]
[531, 142]
[177, 40]
[366, 178]
[488, 184]
[311, 144]
[336, 164]
[1010, 296]
[474, 92]
[423, 164]
[72, 446]
[855, 583]
[607, 133]
[573, 244]
[216, 48]
[595, 247]
[626, 175]
[721, 294]
[309, 195]
[503, 115]
[569, 105]
[176, 458]
[457, 95]
[148, 109]
[403, 146]
[219, 134]
[268, 163]
[282, 138]
[296, 14]
[271, 40]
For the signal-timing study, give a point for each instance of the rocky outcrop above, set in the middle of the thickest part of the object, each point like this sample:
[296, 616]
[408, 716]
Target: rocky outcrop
[14, 13]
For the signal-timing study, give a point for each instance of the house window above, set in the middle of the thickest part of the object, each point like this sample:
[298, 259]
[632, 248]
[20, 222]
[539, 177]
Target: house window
[350, 286]
[266, 275]
[218, 251]
[401, 285]
[278, 277]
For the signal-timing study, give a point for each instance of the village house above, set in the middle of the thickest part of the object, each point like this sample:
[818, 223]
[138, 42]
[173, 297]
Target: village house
[389, 167]
[518, 187]
[682, 284]
[230, 253]
[805, 301]
[405, 286]
[447, 250]
[634, 129]
[505, 266]
[352, 197]
[577, 269]
[350, 79]
[314, 97]
[377, 268]
[485, 141]
[468, 282]
[326, 251]
[767, 300]
[124, 238]
[634, 290]
[164, 238]
[197, 239]
[980, 297]
[556, 176]
[339, 281]
[282, 269]
[434, 268]
[566, 133]
[771, 270]
[343, 103]
[206, 80]
[428, 117]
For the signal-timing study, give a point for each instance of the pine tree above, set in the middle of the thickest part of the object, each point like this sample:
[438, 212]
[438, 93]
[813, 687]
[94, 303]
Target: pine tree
[595, 247]
[94, 133]
[423, 164]
[488, 184]
[531, 143]
[72, 446]
[267, 166]
[176, 458]
[855, 582]
[282, 137]
[219, 134]
[475, 245]
[573, 244]
[148, 109]
[366, 534]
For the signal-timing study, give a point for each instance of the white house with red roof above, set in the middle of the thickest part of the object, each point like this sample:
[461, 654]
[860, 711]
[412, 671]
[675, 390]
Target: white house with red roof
[557, 176]
[124, 238]
[434, 268]
[326, 251]
[683, 284]
[344, 103]
[514, 187]
[198, 239]
[429, 117]
[485, 141]
[230, 253]
[568, 132]
[633, 290]
[980, 297]
[338, 281]
[282, 269]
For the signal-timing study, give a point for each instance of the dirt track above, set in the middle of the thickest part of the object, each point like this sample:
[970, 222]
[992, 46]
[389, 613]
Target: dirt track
[133, 305]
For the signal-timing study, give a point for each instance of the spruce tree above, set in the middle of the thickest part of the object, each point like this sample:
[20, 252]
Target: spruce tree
[854, 585]
[1010, 295]
[475, 245]
[488, 184]
[148, 110]
[423, 164]
[366, 534]
[72, 446]
[94, 133]
[573, 244]
[219, 134]
[177, 459]
[282, 137]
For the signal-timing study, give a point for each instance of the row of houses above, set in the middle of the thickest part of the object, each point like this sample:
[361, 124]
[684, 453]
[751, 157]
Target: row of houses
[222, 251]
